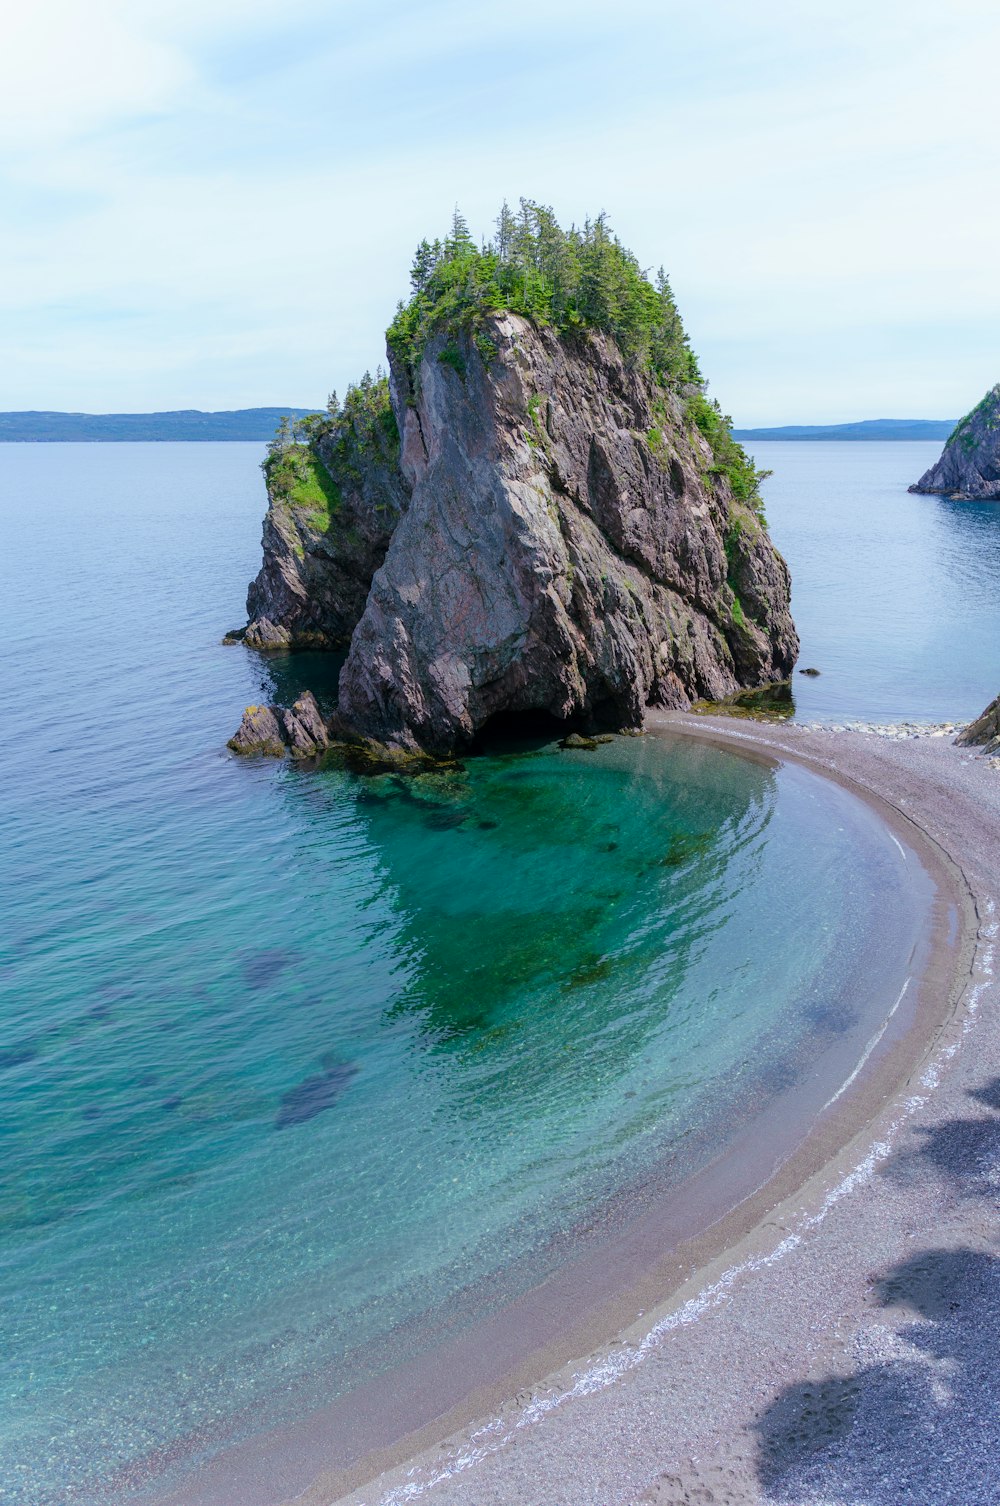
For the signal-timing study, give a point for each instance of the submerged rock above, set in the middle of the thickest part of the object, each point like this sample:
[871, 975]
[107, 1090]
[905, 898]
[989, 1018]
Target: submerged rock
[984, 732]
[314, 1094]
[581, 740]
[969, 467]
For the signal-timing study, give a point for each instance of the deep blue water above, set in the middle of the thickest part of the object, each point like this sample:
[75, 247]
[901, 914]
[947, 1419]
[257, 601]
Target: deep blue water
[291, 1063]
[896, 597]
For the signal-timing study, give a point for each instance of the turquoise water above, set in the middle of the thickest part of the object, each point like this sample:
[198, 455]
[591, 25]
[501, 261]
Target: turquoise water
[295, 1068]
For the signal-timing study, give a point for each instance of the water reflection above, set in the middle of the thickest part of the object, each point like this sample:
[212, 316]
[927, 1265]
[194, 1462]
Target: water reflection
[283, 676]
[968, 535]
[553, 903]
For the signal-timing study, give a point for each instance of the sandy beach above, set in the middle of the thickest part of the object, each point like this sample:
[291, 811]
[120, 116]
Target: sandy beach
[840, 1350]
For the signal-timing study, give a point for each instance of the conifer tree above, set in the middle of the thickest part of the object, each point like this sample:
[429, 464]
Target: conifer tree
[460, 241]
[423, 266]
[503, 245]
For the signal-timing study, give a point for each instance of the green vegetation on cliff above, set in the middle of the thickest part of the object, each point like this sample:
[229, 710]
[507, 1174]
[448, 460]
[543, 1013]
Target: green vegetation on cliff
[983, 414]
[306, 454]
[570, 280]
[297, 478]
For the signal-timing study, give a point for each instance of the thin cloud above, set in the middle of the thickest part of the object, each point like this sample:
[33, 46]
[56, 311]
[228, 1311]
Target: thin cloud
[219, 207]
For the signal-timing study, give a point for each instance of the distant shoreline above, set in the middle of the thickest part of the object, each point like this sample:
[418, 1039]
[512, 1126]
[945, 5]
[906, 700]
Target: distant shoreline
[182, 425]
[937, 429]
[256, 424]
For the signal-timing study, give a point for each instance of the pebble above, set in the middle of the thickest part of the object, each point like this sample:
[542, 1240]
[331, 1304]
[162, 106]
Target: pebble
[900, 731]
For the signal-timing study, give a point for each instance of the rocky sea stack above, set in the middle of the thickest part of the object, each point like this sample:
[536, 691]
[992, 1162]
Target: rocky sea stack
[538, 510]
[969, 467]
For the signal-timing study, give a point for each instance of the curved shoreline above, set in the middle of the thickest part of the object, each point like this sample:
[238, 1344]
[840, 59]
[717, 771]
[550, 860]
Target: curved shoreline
[657, 1282]
[760, 1354]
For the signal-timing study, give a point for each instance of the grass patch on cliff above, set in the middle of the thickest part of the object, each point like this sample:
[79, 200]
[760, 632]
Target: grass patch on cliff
[349, 437]
[297, 478]
[453, 357]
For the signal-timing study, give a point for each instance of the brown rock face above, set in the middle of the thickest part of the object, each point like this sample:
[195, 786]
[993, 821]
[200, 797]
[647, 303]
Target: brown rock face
[320, 555]
[258, 733]
[969, 467]
[271, 731]
[556, 539]
[984, 732]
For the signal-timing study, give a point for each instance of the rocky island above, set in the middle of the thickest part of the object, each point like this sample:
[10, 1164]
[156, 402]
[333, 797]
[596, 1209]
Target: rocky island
[969, 467]
[537, 511]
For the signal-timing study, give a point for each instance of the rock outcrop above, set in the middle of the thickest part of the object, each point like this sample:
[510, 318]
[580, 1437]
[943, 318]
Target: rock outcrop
[984, 732]
[554, 533]
[333, 507]
[969, 467]
[273, 731]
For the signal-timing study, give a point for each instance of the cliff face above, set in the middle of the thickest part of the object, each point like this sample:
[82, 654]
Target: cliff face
[557, 537]
[969, 467]
[332, 510]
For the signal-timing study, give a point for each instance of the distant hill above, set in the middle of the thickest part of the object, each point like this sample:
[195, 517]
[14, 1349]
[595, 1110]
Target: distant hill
[186, 423]
[868, 428]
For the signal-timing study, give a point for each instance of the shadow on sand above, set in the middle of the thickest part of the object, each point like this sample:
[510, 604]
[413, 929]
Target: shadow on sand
[920, 1424]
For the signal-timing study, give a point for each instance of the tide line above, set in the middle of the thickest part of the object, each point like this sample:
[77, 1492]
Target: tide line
[870, 1046]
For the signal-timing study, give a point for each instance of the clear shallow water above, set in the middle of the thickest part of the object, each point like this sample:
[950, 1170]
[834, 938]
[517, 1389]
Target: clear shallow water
[896, 597]
[295, 1067]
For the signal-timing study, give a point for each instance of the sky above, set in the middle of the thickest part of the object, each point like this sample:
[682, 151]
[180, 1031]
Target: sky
[214, 203]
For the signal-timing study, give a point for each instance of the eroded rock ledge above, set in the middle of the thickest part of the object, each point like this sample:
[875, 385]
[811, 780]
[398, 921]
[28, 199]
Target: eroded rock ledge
[540, 529]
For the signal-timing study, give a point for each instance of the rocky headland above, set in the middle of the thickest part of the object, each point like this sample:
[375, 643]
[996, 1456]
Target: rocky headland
[969, 467]
[537, 511]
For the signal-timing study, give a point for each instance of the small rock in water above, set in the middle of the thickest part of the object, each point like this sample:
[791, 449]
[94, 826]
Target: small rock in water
[577, 740]
[271, 730]
[314, 1094]
[809, 672]
[303, 727]
[259, 733]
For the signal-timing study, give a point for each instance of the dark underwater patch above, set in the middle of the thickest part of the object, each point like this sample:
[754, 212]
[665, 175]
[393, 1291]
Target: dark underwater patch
[16, 1056]
[444, 820]
[263, 967]
[314, 1094]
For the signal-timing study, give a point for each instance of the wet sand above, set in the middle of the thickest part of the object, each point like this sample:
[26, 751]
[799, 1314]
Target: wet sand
[837, 1345]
